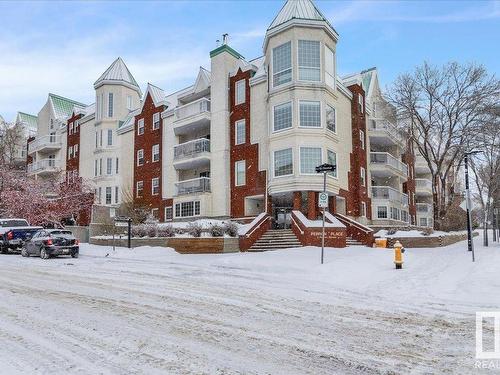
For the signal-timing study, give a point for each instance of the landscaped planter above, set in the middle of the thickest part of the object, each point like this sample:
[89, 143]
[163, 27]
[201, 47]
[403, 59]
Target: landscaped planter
[184, 245]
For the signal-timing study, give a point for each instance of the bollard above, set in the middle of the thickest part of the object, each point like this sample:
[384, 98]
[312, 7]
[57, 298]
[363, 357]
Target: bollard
[398, 255]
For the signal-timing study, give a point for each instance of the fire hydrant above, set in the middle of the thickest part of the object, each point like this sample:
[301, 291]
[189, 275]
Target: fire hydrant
[398, 255]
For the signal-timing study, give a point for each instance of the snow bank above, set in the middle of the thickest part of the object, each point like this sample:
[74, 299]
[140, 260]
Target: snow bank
[415, 233]
[318, 223]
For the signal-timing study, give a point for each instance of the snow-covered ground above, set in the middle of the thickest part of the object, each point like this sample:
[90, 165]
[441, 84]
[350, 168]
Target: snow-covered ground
[153, 311]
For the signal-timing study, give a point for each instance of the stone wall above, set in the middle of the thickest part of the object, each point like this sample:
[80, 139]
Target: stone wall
[416, 242]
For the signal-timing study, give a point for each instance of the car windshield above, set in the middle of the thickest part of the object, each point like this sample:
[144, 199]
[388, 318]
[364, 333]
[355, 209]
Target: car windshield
[61, 232]
[13, 223]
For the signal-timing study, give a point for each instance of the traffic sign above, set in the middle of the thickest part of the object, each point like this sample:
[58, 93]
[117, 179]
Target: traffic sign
[323, 200]
[121, 224]
[325, 168]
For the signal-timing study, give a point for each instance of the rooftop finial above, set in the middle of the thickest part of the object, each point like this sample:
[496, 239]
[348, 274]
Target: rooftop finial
[225, 38]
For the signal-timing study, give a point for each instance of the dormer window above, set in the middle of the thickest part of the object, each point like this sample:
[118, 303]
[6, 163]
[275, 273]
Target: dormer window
[309, 60]
[282, 64]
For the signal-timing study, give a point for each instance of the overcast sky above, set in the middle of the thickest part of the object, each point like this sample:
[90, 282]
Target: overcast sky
[63, 47]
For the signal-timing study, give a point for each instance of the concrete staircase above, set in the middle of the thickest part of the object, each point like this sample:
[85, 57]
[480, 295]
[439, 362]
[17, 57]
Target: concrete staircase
[275, 239]
[353, 242]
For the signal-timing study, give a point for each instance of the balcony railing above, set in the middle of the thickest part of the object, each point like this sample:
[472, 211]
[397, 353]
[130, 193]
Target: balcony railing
[46, 141]
[424, 208]
[44, 165]
[385, 126]
[191, 149]
[423, 183]
[388, 159]
[389, 193]
[192, 109]
[196, 185]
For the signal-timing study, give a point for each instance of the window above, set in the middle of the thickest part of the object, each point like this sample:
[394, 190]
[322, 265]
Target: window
[155, 186]
[129, 102]
[139, 187]
[140, 126]
[240, 172]
[117, 192]
[329, 67]
[404, 216]
[283, 162]
[309, 60]
[154, 212]
[169, 213]
[381, 212]
[187, 209]
[395, 213]
[95, 168]
[240, 132]
[423, 222]
[360, 103]
[70, 152]
[331, 118]
[110, 137]
[363, 209]
[77, 124]
[310, 158]
[240, 92]
[100, 167]
[140, 157]
[110, 104]
[156, 153]
[100, 195]
[156, 121]
[332, 159]
[282, 64]
[108, 195]
[70, 128]
[100, 138]
[363, 177]
[75, 149]
[116, 166]
[282, 116]
[362, 139]
[109, 166]
[310, 114]
[96, 139]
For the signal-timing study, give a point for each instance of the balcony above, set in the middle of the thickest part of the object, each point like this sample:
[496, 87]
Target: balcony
[192, 154]
[192, 116]
[196, 185]
[383, 132]
[383, 164]
[44, 167]
[45, 143]
[390, 194]
[421, 166]
[424, 208]
[423, 187]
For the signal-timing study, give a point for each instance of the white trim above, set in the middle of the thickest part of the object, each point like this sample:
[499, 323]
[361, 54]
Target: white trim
[320, 62]
[274, 164]
[300, 160]
[272, 117]
[137, 154]
[243, 81]
[272, 86]
[152, 186]
[236, 163]
[236, 123]
[320, 115]
[139, 122]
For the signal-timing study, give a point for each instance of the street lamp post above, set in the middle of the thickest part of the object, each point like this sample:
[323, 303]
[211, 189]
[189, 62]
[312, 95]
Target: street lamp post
[470, 242]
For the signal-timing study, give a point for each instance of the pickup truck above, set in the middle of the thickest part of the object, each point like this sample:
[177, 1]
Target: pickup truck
[14, 233]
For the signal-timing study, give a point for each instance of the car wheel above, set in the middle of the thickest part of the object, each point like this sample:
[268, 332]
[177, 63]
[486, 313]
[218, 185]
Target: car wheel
[44, 254]
[24, 252]
[74, 255]
[5, 250]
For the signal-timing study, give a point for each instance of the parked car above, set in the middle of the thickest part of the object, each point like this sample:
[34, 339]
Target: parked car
[14, 233]
[51, 242]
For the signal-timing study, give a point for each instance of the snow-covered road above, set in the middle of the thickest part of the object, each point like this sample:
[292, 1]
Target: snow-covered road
[152, 311]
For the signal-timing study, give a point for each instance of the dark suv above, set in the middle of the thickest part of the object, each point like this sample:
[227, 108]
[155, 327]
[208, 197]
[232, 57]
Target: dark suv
[51, 242]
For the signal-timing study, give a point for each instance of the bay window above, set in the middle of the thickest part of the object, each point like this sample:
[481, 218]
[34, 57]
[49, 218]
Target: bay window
[310, 158]
[310, 114]
[283, 162]
[282, 64]
[309, 60]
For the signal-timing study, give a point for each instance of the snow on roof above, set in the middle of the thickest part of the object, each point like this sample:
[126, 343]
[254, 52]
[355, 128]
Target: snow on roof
[117, 72]
[298, 9]
[334, 223]
[63, 107]
[128, 122]
[29, 120]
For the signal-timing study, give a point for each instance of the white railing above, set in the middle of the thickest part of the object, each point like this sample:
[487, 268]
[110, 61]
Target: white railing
[423, 183]
[424, 208]
[44, 165]
[192, 109]
[388, 159]
[44, 141]
[386, 126]
[191, 148]
[196, 185]
[389, 193]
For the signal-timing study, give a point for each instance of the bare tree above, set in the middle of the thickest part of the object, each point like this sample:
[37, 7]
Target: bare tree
[486, 166]
[12, 140]
[442, 110]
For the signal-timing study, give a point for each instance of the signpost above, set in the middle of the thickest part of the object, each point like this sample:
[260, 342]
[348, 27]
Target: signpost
[323, 200]
[470, 241]
[121, 221]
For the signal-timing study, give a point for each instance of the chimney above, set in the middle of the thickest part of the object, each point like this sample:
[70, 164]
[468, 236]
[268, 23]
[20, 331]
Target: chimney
[225, 38]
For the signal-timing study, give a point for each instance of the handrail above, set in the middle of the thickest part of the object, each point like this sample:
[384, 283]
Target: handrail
[257, 226]
[353, 223]
[298, 226]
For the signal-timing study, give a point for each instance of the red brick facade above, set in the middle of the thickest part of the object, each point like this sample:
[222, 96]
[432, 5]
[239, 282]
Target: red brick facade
[255, 183]
[410, 185]
[334, 237]
[356, 192]
[72, 140]
[149, 169]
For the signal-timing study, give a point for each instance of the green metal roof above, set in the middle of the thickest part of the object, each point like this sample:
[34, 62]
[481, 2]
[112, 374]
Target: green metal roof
[63, 107]
[366, 76]
[28, 119]
[225, 48]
